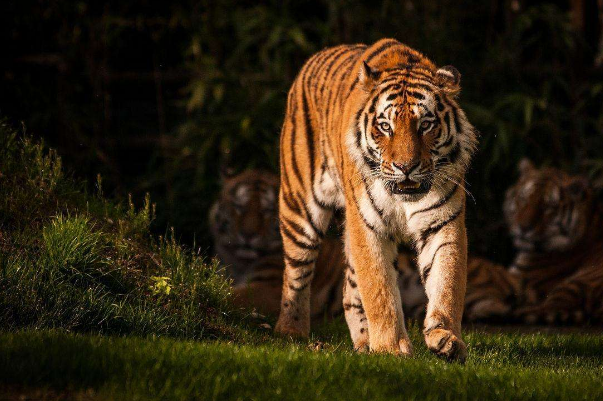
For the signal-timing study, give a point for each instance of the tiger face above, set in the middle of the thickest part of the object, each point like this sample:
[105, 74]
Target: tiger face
[412, 132]
[547, 210]
[244, 221]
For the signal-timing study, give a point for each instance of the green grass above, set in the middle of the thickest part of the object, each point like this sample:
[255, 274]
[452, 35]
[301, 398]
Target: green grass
[500, 366]
[74, 260]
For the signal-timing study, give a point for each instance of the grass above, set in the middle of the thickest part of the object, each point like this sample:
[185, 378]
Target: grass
[500, 367]
[74, 260]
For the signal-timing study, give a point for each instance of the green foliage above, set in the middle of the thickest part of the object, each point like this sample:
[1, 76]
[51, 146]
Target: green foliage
[76, 261]
[500, 367]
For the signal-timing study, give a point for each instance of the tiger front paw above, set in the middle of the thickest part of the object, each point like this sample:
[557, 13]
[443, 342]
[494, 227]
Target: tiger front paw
[446, 345]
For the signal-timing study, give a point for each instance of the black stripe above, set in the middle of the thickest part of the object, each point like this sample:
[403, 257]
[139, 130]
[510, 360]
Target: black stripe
[334, 58]
[329, 101]
[299, 230]
[425, 271]
[369, 225]
[293, 153]
[303, 276]
[288, 199]
[348, 306]
[446, 143]
[311, 150]
[344, 78]
[319, 233]
[415, 94]
[439, 104]
[294, 262]
[457, 121]
[425, 274]
[370, 195]
[447, 121]
[292, 238]
[437, 204]
[376, 52]
[349, 61]
[435, 228]
[454, 153]
[377, 95]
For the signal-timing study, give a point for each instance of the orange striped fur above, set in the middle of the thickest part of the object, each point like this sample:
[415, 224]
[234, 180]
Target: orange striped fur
[557, 228]
[376, 131]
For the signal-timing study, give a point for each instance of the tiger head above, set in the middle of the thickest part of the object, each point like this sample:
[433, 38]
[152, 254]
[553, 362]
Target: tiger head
[547, 210]
[410, 131]
[244, 220]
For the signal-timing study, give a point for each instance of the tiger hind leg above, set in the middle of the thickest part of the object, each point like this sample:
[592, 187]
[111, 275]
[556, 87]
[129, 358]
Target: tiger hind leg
[354, 312]
[302, 236]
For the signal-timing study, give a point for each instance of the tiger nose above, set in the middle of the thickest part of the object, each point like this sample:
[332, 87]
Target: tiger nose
[406, 168]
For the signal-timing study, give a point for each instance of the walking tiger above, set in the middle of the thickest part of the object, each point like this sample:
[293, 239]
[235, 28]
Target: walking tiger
[376, 131]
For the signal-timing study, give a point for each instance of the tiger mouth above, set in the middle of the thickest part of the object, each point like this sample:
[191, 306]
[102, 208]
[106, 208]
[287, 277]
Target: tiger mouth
[409, 187]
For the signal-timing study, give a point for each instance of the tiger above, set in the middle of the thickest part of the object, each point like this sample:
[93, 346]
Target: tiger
[244, 225]
[244, 220]
[258, 277]
[376, 131]
[556, 224]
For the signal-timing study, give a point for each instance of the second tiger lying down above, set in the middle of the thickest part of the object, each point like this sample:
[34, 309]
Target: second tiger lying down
[556, 224]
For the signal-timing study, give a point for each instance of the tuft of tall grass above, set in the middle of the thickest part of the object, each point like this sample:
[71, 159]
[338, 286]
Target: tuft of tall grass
[76, 261]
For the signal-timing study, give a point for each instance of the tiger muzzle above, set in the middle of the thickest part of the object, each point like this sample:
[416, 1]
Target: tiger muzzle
[410, 187]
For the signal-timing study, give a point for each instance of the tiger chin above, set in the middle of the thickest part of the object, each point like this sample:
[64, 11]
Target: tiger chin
[376, 131]
[556, 224]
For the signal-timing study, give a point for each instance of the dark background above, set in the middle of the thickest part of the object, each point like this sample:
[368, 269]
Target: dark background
[154, 95]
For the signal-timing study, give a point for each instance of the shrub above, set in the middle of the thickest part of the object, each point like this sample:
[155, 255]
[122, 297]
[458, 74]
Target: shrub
[76, 261]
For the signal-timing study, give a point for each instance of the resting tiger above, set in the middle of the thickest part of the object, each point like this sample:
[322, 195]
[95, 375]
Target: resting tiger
[244, 214]
[244, 225]
[557, 228]
[376, 131]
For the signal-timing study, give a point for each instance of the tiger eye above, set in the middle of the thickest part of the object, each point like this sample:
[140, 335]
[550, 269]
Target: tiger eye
[385, 126]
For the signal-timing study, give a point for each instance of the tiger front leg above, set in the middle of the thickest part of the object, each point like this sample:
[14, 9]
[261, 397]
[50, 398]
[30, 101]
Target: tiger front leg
[443, 266]
[371, 258]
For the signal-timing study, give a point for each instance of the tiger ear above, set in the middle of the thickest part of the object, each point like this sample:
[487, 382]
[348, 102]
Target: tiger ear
[368, 75]
[525, 165]
[449, 79]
